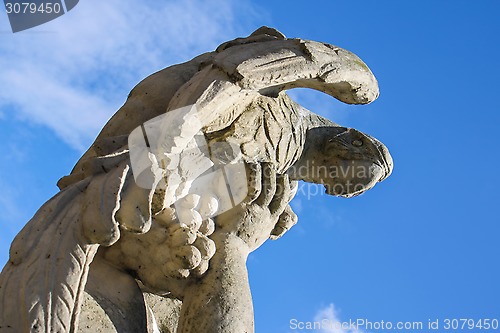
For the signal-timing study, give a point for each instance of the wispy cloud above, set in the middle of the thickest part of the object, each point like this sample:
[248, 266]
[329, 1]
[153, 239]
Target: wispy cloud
[330, 316]
[73, 73]
[12, 217]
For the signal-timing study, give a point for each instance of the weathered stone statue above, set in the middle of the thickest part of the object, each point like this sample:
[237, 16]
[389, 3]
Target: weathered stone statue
[151, 230]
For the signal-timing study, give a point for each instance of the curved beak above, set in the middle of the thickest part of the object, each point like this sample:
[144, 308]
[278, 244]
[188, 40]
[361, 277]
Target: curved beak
[273, 66]
[383, 156]
[266, 63]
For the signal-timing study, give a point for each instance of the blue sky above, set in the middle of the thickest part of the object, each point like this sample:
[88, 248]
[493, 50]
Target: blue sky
[421, 245]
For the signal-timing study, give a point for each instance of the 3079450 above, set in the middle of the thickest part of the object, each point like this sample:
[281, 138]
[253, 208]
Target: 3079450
[32, 8]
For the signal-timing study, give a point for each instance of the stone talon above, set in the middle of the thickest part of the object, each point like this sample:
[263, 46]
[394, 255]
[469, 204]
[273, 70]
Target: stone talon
[286, 220]
[207, 227]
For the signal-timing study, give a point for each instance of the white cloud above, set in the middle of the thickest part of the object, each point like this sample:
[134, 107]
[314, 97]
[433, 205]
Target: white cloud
[74, 72]
[330, 316]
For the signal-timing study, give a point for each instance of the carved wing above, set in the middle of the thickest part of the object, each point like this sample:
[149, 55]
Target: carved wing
[46, 273]
[42, 284]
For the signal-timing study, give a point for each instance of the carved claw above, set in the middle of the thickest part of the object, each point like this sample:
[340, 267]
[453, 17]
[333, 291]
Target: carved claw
[286, 220]
[134, 213]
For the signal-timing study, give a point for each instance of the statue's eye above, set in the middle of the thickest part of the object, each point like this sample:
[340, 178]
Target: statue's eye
[357, 143]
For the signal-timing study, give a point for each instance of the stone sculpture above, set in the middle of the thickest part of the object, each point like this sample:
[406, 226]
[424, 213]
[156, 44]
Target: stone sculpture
[110, 254]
